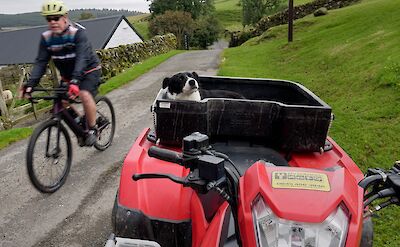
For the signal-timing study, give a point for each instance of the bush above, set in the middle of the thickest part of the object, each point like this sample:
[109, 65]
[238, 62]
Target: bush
[254, 10]
[176, 22]
[207, 30]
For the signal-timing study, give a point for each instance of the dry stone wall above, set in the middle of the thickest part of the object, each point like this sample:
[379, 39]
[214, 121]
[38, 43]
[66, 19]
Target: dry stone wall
[238, 38]
[115, 60]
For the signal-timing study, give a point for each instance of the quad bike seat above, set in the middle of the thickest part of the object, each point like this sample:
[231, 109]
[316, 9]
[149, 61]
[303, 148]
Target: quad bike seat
[244, 154]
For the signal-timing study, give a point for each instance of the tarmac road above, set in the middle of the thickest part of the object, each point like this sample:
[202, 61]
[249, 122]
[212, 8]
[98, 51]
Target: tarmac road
[79, 214]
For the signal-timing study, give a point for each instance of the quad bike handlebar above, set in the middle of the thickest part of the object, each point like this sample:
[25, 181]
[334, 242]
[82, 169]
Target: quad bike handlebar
[207, 167]
[165, 154]
[380, 184]
[203, 176]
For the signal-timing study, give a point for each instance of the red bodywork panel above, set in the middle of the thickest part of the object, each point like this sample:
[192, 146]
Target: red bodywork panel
[157, 198]
[164, 199]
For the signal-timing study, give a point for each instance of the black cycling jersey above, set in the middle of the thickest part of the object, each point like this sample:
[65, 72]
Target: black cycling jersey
[71, 52]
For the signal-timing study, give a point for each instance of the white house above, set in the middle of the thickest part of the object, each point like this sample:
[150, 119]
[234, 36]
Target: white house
[21, 46]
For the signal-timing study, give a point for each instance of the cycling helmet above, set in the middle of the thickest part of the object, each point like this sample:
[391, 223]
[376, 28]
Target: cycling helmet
[54, 7]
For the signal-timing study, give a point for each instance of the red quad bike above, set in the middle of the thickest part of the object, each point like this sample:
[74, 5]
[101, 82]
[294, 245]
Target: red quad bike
[264, 173]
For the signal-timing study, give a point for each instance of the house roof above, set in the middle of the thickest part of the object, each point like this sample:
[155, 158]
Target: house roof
[21, 46]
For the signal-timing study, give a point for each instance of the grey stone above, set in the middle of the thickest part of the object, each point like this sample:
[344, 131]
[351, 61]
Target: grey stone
[321, 11]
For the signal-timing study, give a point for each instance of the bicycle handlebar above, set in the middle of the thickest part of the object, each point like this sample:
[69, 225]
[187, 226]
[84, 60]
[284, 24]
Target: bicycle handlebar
[57, 91]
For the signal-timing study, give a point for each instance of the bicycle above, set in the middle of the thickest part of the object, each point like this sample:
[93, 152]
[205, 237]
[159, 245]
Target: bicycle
[53, 136]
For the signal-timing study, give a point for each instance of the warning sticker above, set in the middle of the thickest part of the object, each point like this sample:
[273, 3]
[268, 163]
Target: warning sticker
[166, 105]
[300, 180]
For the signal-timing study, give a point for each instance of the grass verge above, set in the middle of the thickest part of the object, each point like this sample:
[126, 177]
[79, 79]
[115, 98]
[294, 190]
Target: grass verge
[7, 137]
[350, 58]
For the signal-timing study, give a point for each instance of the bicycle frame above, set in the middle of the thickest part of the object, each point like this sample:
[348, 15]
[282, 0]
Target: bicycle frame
[60, 112]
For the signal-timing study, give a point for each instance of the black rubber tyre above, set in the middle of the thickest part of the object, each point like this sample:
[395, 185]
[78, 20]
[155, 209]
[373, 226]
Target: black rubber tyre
[105, 120]
[37, 150]
[114, 212]
[367, 237]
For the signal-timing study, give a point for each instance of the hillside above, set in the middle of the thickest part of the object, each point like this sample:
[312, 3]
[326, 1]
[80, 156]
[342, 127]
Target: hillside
[35, 19]
[229, 12]
[351, 59]
[141, 23]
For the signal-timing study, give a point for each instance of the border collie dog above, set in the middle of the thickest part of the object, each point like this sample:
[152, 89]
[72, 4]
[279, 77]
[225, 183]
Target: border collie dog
[185, 86]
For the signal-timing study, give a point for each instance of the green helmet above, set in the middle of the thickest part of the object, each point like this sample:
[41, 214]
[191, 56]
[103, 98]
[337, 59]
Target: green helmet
[54, 7]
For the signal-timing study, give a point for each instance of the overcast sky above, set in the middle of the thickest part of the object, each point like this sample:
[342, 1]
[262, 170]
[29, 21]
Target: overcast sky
[24, 6]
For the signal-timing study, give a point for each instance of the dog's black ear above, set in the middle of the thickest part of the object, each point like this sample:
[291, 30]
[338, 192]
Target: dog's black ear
[165, 82]
[195, 75]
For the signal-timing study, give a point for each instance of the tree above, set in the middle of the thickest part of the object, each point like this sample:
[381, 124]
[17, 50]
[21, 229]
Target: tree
[176, 22]
[86, 15]
[254, 10]
[206, 31]
[196, 8]
[159, 7]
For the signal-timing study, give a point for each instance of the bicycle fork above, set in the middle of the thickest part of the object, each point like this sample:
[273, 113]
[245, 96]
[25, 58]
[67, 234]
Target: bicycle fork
[55, 152]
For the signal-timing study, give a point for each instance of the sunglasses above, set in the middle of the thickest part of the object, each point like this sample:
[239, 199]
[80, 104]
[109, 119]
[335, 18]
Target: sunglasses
[53, 18]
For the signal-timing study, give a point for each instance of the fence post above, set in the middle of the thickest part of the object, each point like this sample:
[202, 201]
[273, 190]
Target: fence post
[290, 23]
[54, 74]
[5, 117]
[21, 81]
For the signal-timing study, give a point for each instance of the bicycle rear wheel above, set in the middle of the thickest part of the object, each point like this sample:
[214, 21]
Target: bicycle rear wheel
[49, 156]
[105, 121]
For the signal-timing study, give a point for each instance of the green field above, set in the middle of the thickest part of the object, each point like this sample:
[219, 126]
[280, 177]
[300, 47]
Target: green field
[140, 23]
[229, 12]
[300, 2]
[351, 59]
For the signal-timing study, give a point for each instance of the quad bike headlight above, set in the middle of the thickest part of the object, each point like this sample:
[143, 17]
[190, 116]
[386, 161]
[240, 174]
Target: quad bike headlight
[272, 231]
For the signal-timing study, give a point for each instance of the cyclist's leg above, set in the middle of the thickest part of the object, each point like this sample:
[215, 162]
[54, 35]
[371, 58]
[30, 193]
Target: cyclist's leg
[89, 106]
[88, 90]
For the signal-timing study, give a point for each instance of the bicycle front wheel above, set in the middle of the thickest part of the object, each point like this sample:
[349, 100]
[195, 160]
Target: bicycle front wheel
[49, 156]
[105, 121]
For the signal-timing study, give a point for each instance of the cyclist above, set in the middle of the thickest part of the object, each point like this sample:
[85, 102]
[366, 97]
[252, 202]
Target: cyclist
[73, 56]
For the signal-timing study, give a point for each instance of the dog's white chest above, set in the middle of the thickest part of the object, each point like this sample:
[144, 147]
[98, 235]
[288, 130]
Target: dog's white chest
[195, 96]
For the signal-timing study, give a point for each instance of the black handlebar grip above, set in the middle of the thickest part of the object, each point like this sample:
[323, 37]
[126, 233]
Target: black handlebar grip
[165, 154]
[370, 180]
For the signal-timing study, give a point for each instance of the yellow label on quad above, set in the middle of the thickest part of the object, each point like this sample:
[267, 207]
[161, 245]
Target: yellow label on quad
[300, 180]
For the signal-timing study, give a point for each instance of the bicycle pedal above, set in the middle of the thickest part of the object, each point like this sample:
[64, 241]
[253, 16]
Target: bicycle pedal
[91, 138]
[81, 142]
